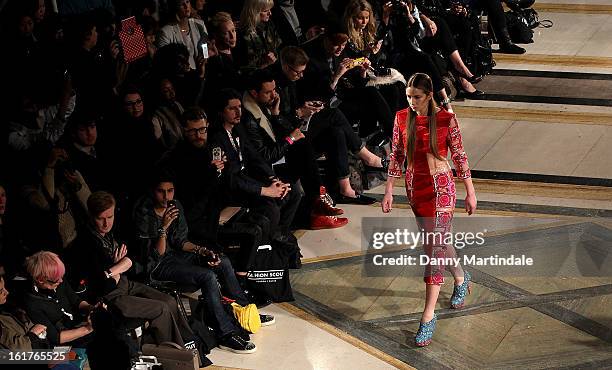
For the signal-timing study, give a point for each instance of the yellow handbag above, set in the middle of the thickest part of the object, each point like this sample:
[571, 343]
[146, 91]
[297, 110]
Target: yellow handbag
[247, 316]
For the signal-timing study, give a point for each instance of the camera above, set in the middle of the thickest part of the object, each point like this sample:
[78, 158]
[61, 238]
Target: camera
[399, 6]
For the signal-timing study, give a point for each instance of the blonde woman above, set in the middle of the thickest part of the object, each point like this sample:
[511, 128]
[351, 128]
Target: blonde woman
[361, 27]
[259, 42]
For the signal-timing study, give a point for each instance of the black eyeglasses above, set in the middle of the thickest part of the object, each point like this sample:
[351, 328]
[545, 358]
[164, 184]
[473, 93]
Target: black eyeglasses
[299, 73]
[132, 103]
[196, 131]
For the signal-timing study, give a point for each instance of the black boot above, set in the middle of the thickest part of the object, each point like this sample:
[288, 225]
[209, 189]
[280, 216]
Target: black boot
[506, 45]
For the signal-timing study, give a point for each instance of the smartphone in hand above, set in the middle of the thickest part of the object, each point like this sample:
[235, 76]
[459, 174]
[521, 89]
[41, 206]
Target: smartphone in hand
[205, 50]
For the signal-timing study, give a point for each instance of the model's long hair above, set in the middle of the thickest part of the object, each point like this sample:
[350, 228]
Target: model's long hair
[422, 82]
[369, 33]
[249, 17]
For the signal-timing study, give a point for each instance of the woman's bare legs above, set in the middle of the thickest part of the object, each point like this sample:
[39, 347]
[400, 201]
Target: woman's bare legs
[432, 291]
[455, 58]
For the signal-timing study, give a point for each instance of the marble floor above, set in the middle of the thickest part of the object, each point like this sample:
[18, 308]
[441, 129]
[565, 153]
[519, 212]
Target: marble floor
[543, 177]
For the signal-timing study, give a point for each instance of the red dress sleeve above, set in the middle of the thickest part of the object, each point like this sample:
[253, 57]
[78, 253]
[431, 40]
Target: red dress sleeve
[398, 146]
[458, 154]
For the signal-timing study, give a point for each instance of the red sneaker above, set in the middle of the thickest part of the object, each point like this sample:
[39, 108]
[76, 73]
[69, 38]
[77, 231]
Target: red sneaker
[326, 222]
[324, 205]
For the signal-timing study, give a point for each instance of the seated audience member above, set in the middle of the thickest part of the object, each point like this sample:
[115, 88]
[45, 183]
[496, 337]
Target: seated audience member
[172, 62]
[17, 331]
[162, 226]
[259, 42]
[278, 142]
[167, 117]
[135, 148]
[252, 181]
[97, 258]
[221, 69]
[92, 73]
[54, 304]
[82, 146]
[182, 29]
[366, 41]
[327, 128]
[200, 187]
[327, 77]
[61, 201]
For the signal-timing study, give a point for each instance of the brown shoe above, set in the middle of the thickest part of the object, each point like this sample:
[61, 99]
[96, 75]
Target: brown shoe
[324, 205]
[327, 222]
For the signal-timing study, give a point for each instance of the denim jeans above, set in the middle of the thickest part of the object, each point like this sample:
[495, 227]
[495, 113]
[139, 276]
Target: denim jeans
[183, 268]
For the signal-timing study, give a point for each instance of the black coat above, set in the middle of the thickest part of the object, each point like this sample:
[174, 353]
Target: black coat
[248, 176]
[270, 150]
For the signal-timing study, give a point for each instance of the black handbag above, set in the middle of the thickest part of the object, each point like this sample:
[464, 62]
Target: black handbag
[269, 276]
[518, 28]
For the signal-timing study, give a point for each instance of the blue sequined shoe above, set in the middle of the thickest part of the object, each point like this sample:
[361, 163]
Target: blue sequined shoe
[425, 332]
[459, 292]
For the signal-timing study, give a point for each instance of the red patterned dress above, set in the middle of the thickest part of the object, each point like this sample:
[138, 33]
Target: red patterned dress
[429, 181]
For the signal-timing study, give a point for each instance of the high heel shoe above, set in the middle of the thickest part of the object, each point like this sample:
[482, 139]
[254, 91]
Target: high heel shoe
[459, 292]
[471, 95]
[473, 80]
[425, 332]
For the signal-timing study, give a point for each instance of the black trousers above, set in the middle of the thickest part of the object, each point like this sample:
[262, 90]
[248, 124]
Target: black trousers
[368, 105]
[280, 212]
[331, 133]
[409, 61]
[442, 40]
[462, 27]
[301, 164]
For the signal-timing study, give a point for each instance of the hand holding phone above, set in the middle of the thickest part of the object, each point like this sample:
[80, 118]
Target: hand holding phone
[217, 156]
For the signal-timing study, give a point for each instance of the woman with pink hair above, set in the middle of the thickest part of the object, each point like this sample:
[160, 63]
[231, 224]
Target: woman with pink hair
[54, 304]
